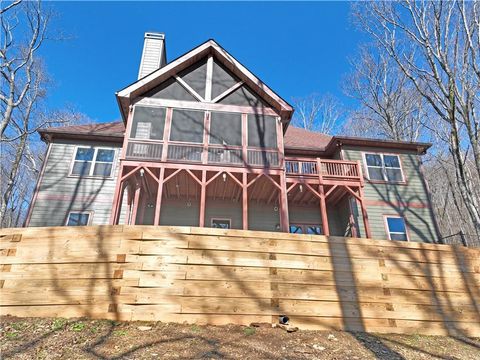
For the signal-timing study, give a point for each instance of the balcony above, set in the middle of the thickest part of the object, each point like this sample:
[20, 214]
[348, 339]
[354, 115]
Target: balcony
[148, 150]
[330, 170]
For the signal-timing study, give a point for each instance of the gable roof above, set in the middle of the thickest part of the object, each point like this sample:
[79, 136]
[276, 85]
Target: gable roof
[111, 131]
[296, 140]
[210, 47]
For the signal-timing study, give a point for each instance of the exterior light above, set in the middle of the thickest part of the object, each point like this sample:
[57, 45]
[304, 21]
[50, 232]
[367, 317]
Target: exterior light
[189, 203]
[301, 188]
[142, 172]
[275, 208]
[224, 176]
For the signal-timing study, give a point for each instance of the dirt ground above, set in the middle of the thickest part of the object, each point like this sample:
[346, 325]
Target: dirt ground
[44, 338]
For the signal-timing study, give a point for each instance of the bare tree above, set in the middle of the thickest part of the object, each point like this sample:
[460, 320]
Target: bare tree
[19, 69]
[317, 113]
[436, 45]
[22, 90]
[389, 105]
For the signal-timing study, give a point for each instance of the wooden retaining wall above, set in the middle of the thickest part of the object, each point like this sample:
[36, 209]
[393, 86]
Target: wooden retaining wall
[200, 275]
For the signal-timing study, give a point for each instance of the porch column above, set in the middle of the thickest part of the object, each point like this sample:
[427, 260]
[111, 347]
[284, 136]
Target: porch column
[284, 220]
[244, 201]
[203, 193]
[136, 201]
[323, 211]
[366, 223]
[158, 204]
[323, 203]
[117, 198]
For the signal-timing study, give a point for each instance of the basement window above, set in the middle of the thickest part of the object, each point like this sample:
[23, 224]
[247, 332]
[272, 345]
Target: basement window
[396, 228]
[78, 218]
[384, 167]
[222, 223]
[89, 161]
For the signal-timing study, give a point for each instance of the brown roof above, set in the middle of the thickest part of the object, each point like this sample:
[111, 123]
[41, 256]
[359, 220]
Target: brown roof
[301, 139]
[295, 140]
[114, 130]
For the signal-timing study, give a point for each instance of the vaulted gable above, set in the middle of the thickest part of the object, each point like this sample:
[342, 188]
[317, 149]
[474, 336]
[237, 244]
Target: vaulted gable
[206, 74]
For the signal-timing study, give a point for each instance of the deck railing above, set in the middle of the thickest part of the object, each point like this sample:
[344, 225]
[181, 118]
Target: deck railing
[197, 153]
[337, 169]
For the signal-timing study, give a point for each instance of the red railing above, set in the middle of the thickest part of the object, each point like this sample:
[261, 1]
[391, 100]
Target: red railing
[334, 169]
[197, 153]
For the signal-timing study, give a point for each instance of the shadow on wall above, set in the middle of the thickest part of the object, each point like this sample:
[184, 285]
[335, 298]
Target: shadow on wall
[220, 276]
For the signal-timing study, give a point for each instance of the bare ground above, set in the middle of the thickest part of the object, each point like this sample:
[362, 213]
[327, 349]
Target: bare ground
[48, 338]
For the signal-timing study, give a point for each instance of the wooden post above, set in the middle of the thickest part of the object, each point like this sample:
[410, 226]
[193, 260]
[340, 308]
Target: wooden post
[284, 221]
[323, 211]
[245, 201]
[158, 204]
[135, 204]
[245, 139]
[206, 129]
[366, 223]
[323, 203]
[201, 221]
[117, 197]
[166, 133]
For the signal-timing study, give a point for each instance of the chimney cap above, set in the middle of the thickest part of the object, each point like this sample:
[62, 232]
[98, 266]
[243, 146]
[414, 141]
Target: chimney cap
[155, 35]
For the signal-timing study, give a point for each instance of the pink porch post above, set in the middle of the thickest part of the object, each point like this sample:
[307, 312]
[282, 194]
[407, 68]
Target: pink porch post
[203, 195]
[284, 221]
[244, 201]
[158, 204]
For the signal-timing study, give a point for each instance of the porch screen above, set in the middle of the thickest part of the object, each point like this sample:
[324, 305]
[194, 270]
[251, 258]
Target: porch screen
[187, 126]
[262, 131]
[225, 128]
[148, 123]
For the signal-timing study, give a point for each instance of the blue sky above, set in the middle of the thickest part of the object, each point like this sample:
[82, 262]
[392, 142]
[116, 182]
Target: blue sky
[296, 48]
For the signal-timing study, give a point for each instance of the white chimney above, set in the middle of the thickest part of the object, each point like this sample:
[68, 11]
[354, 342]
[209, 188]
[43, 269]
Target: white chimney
[153, 55]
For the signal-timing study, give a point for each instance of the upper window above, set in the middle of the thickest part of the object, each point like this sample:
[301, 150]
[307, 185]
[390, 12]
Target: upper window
[148, 123]
[396, 228]
[89, 161]
[384, 167]
[225, 129]
[187, 126]
[262, 131]
[78, 218]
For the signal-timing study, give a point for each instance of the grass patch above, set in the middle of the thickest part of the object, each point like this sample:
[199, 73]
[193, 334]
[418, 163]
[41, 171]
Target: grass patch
[248, 331]
[18, 326]
[120, 332]
[59, 324]
[11, 335]
[78, 326]
[195, 328]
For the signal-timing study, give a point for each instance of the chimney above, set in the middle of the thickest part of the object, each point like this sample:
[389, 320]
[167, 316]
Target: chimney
[153, 55]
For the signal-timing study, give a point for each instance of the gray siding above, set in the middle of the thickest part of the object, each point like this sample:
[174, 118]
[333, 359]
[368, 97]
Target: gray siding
[409, 200]
[263, 217]
[59, 193]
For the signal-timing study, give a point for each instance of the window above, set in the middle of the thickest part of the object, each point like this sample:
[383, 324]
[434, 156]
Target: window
[91, 161]
[396, 228]
[78, 218]
[384, 167]
[148, 123]
[221, 223]
[262, 131]
[306, 229]
[187, 126]
[225, 129]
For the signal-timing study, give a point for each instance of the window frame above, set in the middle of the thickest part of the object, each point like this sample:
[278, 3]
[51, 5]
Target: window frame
[82, 212]
[129, 129]
[387, 229]
[221, 219]
[383, 168]
[93, 161]
[305, 226]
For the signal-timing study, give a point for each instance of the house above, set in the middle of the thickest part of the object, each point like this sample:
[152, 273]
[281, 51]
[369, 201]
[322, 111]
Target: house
[204, 142]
